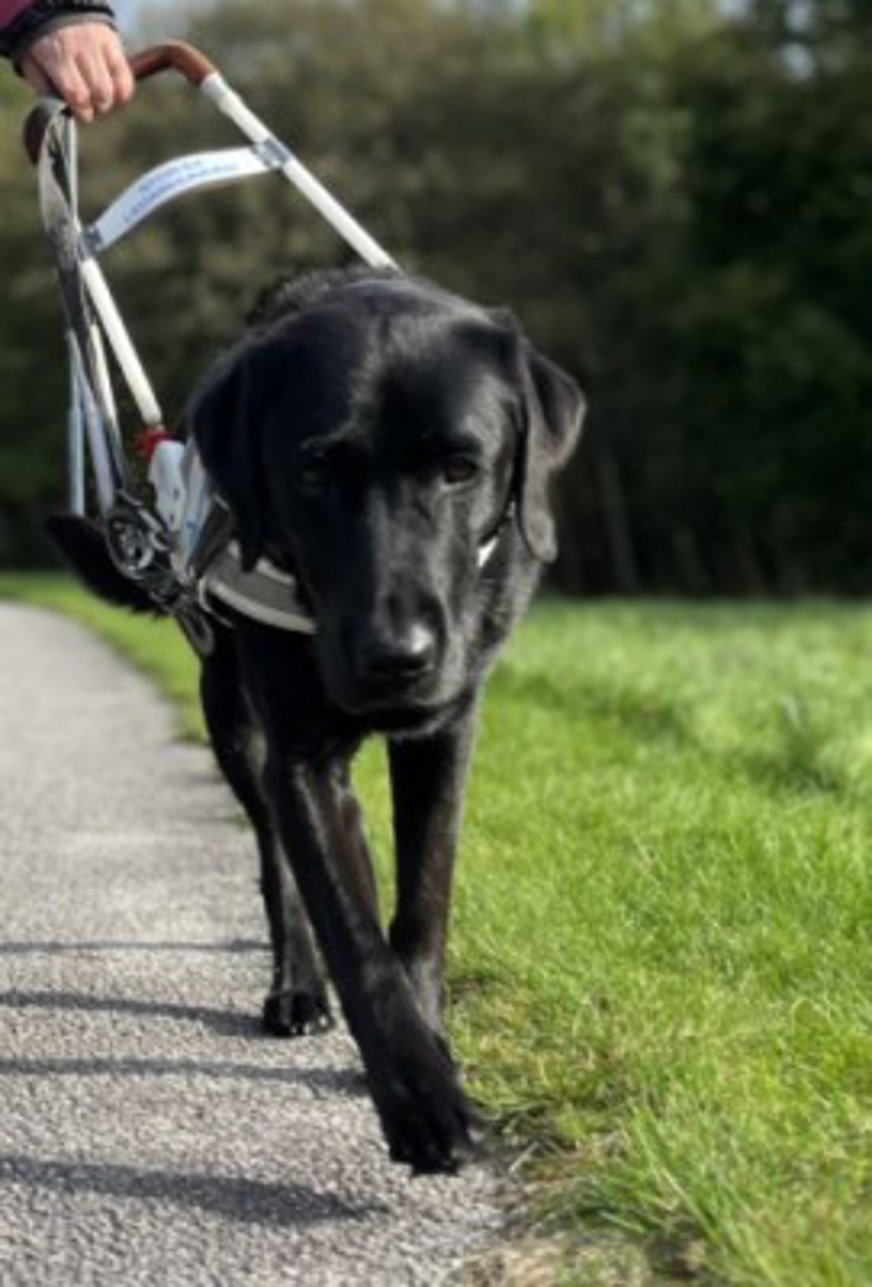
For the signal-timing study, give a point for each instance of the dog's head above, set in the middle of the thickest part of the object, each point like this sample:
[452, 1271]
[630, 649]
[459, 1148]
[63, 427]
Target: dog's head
[374, 442]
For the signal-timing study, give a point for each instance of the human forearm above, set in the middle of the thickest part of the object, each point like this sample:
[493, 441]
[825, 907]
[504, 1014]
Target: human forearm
[24, 22]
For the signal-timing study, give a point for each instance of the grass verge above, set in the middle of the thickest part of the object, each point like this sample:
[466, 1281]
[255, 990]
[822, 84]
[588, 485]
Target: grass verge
[662, 952]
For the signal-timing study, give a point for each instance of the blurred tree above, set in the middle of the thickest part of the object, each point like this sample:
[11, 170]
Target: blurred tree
[832, 27]
[32, 369]
[775, 327]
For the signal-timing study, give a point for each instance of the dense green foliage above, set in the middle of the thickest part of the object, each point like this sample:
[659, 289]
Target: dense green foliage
[674, 199]
[661, 949]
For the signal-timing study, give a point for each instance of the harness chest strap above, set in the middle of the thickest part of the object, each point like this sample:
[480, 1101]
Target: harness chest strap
[266, 593]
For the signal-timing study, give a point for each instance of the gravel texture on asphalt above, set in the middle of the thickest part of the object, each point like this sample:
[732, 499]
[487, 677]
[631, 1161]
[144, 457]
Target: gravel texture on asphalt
[148, 1132]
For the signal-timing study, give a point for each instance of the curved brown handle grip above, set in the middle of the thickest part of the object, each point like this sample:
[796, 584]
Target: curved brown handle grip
[174, 55]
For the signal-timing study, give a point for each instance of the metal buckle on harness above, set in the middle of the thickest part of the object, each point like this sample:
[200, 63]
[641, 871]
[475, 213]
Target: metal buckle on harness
[139, 547]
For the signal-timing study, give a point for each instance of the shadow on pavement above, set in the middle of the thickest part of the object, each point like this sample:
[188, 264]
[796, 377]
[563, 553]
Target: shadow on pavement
[26, 948]
[347, 1082]
[227, 1023]
[245, 1201]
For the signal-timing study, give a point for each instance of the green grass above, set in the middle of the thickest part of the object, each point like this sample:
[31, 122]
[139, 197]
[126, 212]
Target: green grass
[662, 944]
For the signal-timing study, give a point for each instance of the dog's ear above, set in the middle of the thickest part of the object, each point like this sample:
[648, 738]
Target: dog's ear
[554, 408]
[225, 418]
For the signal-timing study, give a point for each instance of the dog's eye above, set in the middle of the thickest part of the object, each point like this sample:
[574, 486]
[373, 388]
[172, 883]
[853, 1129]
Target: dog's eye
[313, 475]
[459, 470]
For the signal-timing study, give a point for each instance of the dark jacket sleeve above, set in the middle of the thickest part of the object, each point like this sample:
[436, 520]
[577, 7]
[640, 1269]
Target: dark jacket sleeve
[44, 16]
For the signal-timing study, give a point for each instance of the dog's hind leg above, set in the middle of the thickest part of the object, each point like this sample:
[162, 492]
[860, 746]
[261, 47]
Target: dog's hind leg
[297, 1000]
[428, 777]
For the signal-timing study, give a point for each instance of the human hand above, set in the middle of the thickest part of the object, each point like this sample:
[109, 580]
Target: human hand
[85, 64]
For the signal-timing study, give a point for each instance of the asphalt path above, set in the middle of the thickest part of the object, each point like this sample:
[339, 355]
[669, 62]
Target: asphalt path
[148, 1132]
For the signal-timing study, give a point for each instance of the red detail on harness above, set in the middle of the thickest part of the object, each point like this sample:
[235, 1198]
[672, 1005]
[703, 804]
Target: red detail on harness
[148, 439]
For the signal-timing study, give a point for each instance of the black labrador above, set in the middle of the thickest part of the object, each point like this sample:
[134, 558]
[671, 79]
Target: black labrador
[394, 447]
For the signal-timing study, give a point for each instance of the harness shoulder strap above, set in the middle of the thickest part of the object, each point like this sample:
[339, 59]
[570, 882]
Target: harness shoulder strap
[266, 594]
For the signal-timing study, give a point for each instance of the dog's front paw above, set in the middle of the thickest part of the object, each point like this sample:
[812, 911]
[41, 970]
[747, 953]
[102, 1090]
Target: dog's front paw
[296, 1012]
[428, 1122]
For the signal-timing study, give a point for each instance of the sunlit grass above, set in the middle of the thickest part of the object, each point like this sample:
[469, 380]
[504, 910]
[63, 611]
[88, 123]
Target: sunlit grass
[662, 957]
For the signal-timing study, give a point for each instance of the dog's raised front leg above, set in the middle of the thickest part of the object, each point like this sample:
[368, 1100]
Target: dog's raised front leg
[428, 777]
[297, 1000]
[423, 1111]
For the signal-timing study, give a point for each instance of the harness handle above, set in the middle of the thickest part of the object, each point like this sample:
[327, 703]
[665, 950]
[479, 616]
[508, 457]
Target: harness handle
[169, 55]
[172, 55]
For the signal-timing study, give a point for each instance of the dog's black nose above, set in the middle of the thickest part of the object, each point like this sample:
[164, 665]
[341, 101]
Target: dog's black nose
[400, 657]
